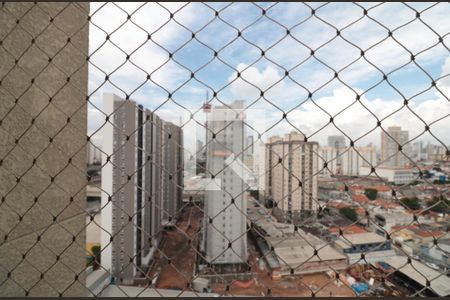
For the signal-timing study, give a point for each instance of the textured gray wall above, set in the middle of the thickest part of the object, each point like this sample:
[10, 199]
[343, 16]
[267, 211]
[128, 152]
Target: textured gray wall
[38, 220]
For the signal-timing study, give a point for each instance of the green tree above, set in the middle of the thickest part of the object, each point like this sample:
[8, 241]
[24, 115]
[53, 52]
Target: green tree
[371, 193]
[349, 213]
[96, 251]
[411, 203]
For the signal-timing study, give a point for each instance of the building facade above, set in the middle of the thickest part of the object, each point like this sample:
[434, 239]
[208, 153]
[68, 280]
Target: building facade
[136, 186]
[173, 175]
[226, 205]
[94, 154]
[336, 141]
[291, 177]
[394, 175]
[435, 152]
[391, 156]
[345, 161]
[374, 247]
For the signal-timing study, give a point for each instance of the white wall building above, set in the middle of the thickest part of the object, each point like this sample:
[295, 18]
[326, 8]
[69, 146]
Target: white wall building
[385, 219]
[226, 238]
[345, 161]
[260, 168]
[395, 175]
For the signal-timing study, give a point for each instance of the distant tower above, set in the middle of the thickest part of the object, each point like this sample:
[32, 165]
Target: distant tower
[226, 239]
[390, 142]
[298, 168]
[338, 143]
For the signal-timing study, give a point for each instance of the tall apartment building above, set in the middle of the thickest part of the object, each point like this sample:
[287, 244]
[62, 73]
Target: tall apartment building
[173, 174]
[226, 239]
[135, 186]
[418, 151]
[260, 169]
[390, 155]
[336, 141]
[249, 152]
[94, 155]
[435, 152]
[291, 177]
[348, 162]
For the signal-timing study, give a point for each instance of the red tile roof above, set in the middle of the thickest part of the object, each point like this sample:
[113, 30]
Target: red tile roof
[357, 187]
[400, 227]
[360, 198]
[382, 188]
[429, 233]
[385, 204]
[360, 211]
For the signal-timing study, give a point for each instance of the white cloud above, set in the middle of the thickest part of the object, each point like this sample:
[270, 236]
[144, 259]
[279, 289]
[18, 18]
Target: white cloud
[126, 38]
[266, 76]
[355, 120]
[444, 83]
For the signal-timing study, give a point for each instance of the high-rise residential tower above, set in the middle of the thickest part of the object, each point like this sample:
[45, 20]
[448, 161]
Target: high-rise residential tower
[391, 156]
[226, 239]
[172, 152]
[141, 164]
[336, 141]
[291, 177]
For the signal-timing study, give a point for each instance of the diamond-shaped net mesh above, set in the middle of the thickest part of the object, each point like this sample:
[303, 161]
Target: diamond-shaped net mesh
[224, 149]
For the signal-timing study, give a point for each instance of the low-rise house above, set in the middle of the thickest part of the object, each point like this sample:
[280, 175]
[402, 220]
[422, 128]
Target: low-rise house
[335, 232]
[385, 219]
[414, 239]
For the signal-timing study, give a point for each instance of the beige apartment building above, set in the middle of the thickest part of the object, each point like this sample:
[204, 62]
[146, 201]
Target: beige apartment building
[390, 142]
[291, 177]
[345, 161]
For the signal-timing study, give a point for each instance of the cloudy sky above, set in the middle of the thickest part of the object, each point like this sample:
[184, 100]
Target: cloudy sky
[287, 79]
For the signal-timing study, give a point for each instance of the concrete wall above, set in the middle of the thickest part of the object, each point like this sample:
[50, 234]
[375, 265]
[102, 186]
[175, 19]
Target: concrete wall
[38, 220]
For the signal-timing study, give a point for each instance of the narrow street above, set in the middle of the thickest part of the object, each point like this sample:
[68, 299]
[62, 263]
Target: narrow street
[175, 261]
